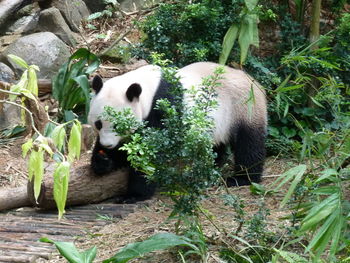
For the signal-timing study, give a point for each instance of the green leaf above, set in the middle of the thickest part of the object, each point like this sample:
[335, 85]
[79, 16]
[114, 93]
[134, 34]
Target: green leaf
[26, 147]
[94, 16]
[83, 83]
[32, 81]
[36, 170]
[251, 4]
[58, 136]
[60, 187]
[28, 94]
[228, 42]
[159, 241]
[319, 212]
[248, 34]
[70, 252]
[257, 189]
[44, 144]
[289, 133]
[19, 61]
[326, 174]
[297, 173]
[74, 142]
[20, 86]
[293, 87]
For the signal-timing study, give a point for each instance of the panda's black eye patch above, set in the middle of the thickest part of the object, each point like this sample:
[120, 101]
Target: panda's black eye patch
[98, 125]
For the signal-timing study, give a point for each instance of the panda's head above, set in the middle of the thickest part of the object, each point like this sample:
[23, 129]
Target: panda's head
[133, 90]
[118, 97]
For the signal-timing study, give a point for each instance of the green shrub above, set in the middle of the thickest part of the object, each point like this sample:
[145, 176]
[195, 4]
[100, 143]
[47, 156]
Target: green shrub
[188, 32]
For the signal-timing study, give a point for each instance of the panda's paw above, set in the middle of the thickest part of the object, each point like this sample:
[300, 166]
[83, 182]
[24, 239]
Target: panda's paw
[125, 199]
[101, 164]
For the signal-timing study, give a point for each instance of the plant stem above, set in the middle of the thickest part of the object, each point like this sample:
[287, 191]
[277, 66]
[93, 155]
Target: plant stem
[24, 108]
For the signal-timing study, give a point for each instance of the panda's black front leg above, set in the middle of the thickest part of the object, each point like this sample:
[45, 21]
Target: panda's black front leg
[104, 161]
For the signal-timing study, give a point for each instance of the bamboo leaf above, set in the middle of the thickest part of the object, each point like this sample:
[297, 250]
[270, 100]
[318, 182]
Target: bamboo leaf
[228, 42]
[293, 87]
[319, 212]
[248, 34]
[296, 172]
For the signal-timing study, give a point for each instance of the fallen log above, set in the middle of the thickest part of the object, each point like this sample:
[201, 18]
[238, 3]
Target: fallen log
[84, 188]
[14, 198]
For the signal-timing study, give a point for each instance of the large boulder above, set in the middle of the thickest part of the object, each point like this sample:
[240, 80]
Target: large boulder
[8, 9]
[6, 73]
[25, 24]
[95, 5]
[43, 49]
[51, 20]
[73, 11]
[10, 115]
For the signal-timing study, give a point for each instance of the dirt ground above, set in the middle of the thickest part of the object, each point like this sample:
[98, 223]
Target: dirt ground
[152, 218]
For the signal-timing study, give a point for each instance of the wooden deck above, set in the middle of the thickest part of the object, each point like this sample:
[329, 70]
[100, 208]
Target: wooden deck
[21, 229]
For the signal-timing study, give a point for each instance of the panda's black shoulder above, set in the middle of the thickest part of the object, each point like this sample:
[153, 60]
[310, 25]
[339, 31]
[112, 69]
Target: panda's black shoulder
[162, 92]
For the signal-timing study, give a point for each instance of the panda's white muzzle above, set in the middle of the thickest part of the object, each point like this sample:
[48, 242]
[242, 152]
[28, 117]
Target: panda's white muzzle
[108, 138]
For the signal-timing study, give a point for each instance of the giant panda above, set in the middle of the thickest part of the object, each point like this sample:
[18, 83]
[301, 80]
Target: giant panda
[235, 125]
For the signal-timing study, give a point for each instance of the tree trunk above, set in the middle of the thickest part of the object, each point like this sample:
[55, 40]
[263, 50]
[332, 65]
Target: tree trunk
[314, 36]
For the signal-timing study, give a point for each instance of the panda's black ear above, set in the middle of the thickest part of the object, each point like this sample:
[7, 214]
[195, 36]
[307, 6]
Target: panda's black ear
[133, 91]
[97, 84]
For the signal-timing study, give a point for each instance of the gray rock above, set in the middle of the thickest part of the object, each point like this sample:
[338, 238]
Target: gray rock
[51, 20]
[43, 49]
[73, 11]
[7, 9]
[25, 24]
[136, 5]
[95, 5]
[6, 73]
[9, 114]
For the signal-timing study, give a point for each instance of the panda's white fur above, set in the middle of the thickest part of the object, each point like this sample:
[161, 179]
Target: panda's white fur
[232, 98]
[113, 94]
[236, 125]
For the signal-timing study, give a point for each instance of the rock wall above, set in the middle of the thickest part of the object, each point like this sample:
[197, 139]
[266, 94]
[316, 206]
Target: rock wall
[41, 32]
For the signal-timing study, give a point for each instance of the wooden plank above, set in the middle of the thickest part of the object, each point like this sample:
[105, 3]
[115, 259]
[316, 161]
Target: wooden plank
[18, 259]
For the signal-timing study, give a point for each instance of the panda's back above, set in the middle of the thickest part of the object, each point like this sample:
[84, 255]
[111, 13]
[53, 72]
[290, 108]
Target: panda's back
[233, 95]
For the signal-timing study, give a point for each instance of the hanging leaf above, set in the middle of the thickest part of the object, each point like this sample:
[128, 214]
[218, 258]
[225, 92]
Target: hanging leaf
[26, 147]
[60, 186]
[32, 81]
[36, 170]
[58, 136]
[248, 34]
[74, 142]
[251, 4]
[228, 42]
